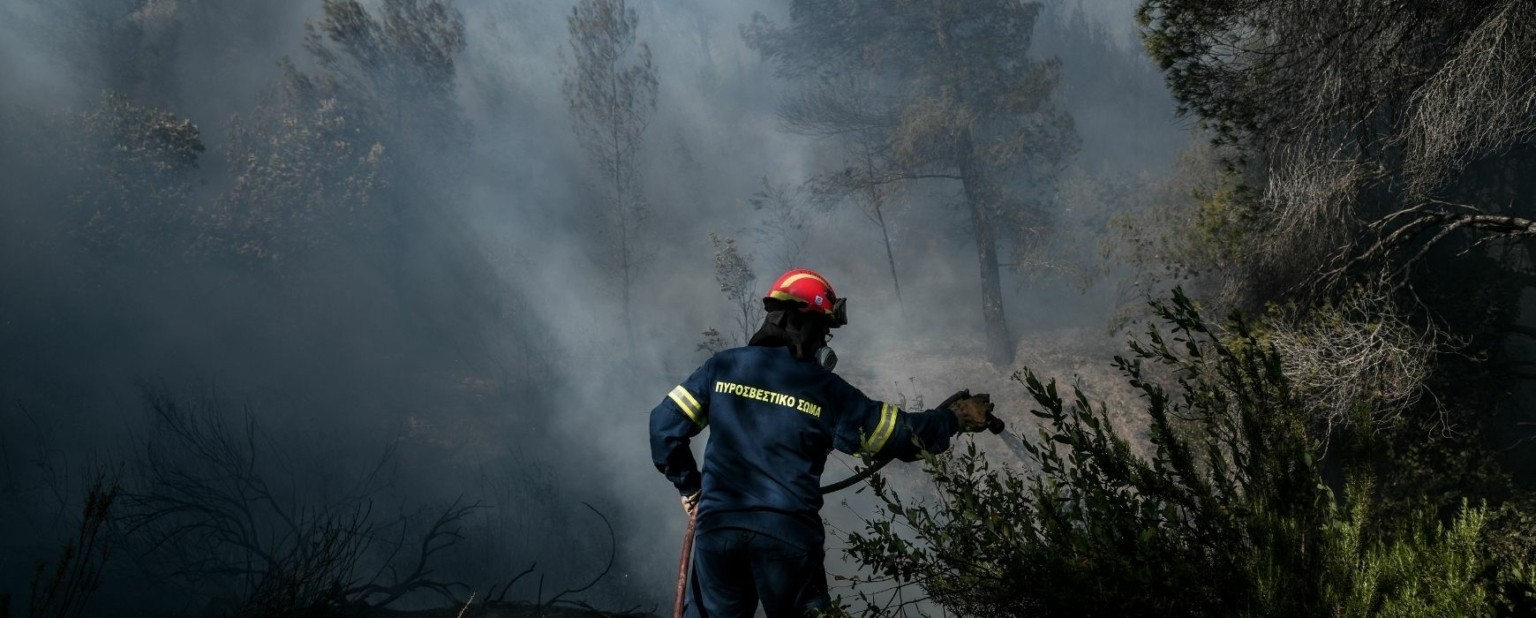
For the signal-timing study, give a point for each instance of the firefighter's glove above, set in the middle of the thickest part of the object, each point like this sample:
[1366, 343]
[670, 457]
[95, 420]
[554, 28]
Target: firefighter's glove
[691, 504]
[973, 412]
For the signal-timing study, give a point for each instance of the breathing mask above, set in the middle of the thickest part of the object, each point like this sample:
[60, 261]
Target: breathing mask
[826, 358]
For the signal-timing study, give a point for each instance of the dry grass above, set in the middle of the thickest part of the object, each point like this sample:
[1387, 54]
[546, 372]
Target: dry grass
[932, 369]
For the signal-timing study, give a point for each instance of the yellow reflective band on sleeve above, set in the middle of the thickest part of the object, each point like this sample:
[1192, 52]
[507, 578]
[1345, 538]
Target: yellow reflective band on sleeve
[883, 430]
[688, 396]
[688, 404]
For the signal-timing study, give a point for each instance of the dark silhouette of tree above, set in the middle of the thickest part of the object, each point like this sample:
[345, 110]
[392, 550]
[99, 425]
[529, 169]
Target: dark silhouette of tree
[135, 181]
[216, 504]
[397, 66]
[1380, 146]
[1366, 131]
[783, 212]
[733, 271]
[63, 588]
[930, 90]
[311, 162]
[843, 107]
[610, 85]
[306, 174]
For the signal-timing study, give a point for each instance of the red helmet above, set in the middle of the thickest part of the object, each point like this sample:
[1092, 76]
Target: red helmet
[805, 286]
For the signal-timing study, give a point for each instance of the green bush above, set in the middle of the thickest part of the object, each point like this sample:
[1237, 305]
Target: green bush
[1228, 515]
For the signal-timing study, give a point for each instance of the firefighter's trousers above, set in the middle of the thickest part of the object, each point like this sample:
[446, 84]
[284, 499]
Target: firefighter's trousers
[735, 569]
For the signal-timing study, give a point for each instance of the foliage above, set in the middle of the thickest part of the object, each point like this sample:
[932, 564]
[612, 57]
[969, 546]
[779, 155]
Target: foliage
[1231, 513]
[929, 90]
[64, 589]
[1379, 146]
[1195, 229]
[397, 68]
[733, 272]
[783, 225]
[1074, 245]
[610, 83]
[1379, 129]
[135, 167]
[713, 342]
[1358, 363]
[610, 86]
[309, 164]
[847, 108]
[305, 174]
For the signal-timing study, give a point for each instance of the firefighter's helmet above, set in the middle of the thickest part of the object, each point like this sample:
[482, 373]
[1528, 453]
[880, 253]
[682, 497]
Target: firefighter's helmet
[812, 290]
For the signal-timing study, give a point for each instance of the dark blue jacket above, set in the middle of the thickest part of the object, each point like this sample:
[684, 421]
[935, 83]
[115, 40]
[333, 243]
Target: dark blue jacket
[775, 420]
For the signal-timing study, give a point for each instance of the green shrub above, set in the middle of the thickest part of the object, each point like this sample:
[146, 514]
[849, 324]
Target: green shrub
[1229, 514]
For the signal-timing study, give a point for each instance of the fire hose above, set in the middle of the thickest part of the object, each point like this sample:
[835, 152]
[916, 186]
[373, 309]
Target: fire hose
[994, 425]
[876, 465]
[682, 566]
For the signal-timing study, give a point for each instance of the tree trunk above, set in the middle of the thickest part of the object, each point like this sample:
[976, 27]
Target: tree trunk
[620, 164]
[890, 260]
[999, 343]
[626, 267]
[877, 203]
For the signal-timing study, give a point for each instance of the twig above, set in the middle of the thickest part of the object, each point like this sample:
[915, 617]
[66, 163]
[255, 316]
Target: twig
[613, 549]
[508, 587]
[466, 605]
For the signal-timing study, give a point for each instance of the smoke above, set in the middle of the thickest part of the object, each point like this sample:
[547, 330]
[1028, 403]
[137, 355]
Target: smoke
[481, 342]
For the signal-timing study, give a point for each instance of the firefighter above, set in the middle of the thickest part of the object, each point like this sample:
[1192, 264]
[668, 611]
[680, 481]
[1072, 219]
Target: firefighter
[776, 411]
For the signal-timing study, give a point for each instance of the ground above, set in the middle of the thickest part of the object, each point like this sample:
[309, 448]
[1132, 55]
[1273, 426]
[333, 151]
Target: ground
[502, 610]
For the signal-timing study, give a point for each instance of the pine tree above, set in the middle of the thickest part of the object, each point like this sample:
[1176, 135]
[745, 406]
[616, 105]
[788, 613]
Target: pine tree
[931, 90]
[610, 85]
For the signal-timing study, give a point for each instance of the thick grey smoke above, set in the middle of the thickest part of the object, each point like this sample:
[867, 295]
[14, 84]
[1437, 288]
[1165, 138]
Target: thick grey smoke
[482, 344]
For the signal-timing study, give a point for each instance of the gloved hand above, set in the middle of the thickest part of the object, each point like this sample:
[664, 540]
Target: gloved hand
[973, 412]
[691, 503]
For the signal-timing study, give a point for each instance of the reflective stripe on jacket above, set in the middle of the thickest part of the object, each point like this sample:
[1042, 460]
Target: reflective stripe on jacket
[773, 420]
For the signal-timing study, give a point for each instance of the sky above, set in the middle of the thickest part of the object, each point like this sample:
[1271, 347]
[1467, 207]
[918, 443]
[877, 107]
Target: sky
[482, 354]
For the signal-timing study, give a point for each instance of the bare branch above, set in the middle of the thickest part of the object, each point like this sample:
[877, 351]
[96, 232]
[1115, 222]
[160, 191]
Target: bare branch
[613, 548]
